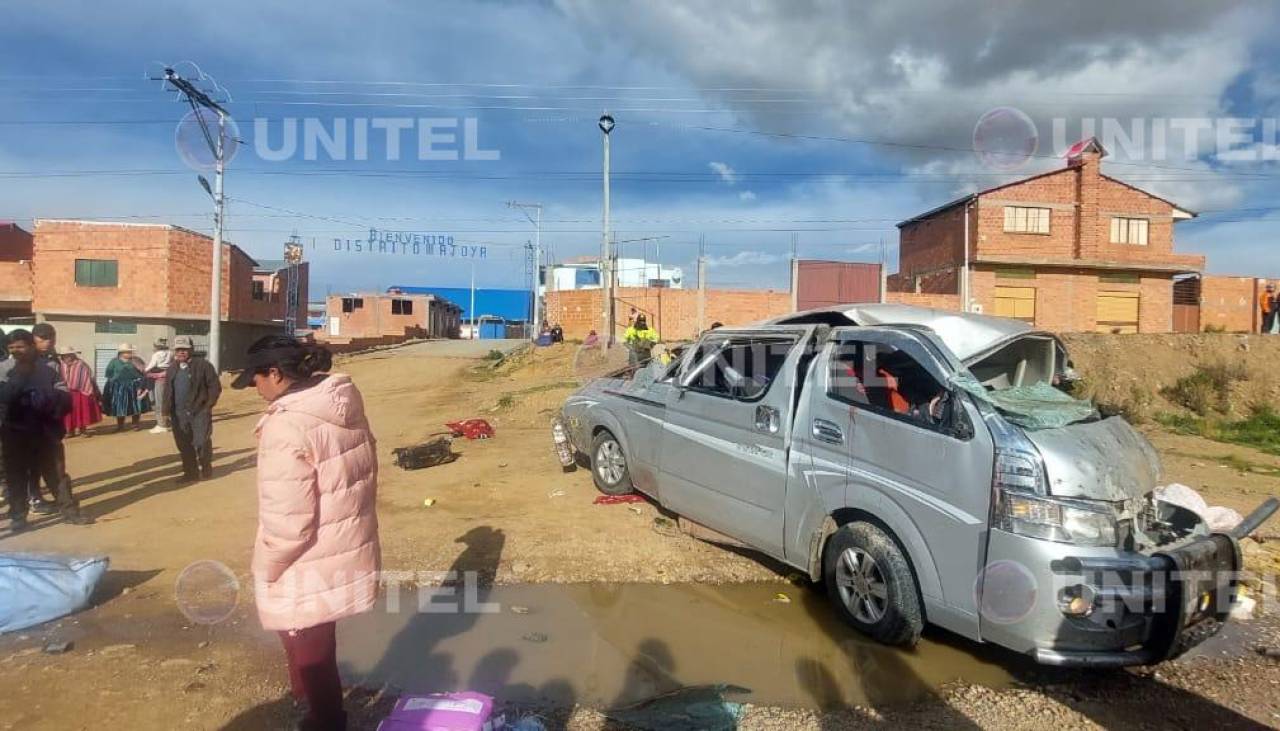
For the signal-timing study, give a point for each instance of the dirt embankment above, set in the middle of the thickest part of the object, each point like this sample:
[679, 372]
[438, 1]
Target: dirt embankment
[1134, 373]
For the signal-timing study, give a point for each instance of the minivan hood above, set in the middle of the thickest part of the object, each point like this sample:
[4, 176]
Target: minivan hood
[1100, 460]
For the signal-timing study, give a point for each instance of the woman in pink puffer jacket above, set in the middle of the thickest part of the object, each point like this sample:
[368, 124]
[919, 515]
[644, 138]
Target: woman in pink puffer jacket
[316, 558]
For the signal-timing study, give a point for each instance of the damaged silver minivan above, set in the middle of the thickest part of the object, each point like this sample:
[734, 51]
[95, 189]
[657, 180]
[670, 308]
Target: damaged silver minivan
[927, 466]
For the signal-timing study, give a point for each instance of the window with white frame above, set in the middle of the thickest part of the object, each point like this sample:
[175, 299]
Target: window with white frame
[1026, 220]
[1129, 231]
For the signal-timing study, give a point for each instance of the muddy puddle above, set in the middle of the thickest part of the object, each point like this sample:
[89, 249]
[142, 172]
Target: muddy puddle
[607, 645]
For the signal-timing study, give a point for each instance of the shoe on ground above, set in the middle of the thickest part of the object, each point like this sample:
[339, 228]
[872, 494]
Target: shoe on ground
[187, 478]
[18, 523]
[206, 473]
[157, 429]
[42, 507]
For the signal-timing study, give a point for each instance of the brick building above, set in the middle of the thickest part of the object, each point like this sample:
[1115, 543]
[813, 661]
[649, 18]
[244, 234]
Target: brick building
[103, 283]
[1068, 250]
[15, 272]
[393, 316]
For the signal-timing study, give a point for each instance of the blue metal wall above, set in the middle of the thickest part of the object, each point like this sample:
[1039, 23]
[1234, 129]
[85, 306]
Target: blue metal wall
[509, 304]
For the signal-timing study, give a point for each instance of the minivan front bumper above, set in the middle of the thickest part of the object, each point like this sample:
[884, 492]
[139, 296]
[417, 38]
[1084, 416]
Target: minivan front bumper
[1139, 608]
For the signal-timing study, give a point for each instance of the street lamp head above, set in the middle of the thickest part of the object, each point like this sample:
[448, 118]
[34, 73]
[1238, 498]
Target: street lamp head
[606, 123]
[204, 183]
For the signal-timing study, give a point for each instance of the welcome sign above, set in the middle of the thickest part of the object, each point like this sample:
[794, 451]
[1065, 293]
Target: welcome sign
[411, 243]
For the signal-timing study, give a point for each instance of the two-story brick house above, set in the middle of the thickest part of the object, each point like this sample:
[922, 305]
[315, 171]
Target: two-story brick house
[1068, 250]
[103, 283]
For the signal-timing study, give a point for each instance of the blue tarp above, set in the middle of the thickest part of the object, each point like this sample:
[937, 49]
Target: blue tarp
[37, 588]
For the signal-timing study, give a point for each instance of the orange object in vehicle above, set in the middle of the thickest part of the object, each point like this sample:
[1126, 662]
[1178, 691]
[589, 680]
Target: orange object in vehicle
[897, 401]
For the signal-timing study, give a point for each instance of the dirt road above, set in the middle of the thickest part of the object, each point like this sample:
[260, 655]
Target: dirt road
[505, 511]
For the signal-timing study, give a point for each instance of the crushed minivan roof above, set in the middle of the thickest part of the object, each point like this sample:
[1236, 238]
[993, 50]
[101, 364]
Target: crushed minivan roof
[964, 333]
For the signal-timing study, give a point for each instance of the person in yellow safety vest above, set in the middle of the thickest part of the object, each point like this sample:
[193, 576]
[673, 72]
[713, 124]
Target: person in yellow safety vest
[639, 339]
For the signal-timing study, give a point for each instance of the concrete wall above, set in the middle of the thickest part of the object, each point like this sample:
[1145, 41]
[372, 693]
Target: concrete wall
[672, 312]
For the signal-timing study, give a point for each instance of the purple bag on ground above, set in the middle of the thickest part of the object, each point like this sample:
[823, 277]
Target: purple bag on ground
[443, 712]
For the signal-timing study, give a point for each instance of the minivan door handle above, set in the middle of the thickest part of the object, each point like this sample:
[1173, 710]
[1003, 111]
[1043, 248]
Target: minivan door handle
[827, 431]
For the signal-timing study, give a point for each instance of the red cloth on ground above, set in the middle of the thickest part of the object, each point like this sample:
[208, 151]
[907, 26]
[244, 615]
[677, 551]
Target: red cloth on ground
[85, 412]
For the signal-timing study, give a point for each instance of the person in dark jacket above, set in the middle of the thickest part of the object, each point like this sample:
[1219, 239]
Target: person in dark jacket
[33, 400]
[191, 388]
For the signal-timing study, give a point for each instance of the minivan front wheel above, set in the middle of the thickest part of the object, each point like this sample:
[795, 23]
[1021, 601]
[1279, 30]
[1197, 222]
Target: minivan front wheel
[871, 584]
[609, 465]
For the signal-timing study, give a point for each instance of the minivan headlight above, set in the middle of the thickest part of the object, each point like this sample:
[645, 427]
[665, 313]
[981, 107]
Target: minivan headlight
[1056, 520]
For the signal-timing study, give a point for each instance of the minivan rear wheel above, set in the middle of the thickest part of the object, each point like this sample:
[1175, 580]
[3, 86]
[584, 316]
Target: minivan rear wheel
[609, 465]
[871, 584]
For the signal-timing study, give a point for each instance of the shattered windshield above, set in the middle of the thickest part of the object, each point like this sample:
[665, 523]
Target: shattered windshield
[1036, 406]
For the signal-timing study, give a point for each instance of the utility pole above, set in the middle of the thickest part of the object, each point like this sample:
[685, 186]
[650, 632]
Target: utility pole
[795, 271]
[606, 125]
[198, 100]
[884, 276]
[475, 326]
[702, 283]
[538, 279]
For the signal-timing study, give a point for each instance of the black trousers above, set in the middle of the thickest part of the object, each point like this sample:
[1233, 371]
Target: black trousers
[193, 434]
[29, 458]
[1268, 320]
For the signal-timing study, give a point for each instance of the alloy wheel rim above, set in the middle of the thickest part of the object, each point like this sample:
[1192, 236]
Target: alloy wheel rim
[609, 462]
[862, 586]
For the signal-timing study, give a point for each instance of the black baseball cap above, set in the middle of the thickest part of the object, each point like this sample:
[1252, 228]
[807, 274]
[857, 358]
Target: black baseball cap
[261, 360]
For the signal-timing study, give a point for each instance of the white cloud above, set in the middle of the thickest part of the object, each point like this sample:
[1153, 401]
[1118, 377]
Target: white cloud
[745, 258]
[746, 195]
[726, 173]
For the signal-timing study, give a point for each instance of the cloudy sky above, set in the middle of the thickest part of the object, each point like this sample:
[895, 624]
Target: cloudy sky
[749, 127]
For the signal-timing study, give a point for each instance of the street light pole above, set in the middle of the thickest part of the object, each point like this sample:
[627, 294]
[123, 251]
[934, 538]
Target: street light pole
[606, 124]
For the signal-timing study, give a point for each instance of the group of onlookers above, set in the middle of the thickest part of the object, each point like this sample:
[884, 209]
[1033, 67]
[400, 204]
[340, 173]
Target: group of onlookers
[48, 393]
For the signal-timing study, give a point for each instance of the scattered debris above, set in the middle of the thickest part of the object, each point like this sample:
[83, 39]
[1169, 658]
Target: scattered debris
[428, 502]
[57, 647]
[617, 499]
[781, 598]
[471, 429]
[438, 451]
[536, 637]
[1217, 517]
[529, 723]
[1271, 652]
[635, 510]
[556, 493]
[177, 662]
[517, 609]
[117, 649]
[696, 708]
[665, 527]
